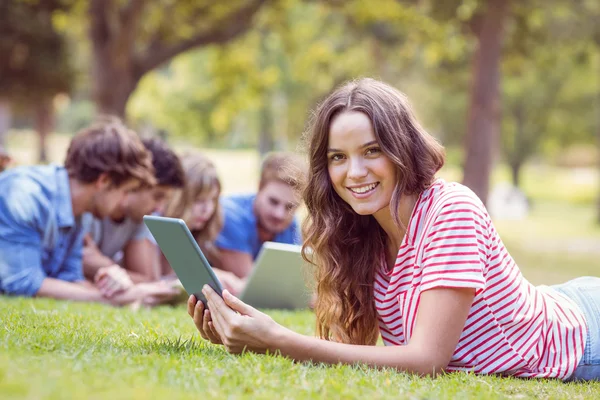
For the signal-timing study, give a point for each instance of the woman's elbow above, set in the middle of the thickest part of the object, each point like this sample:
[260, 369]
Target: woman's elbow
[431, 365]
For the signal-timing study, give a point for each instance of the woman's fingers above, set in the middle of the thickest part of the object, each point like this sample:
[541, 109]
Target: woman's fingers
[237, 305]
[213, 330]
[205, 327]
[191, 305]
[198, 314]
[209, 330]
[216, 318]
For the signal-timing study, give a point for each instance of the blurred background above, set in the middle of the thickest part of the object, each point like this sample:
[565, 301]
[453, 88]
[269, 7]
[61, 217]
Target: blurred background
[511, 88]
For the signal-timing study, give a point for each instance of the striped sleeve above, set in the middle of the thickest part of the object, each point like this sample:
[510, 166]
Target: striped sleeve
[454, 252]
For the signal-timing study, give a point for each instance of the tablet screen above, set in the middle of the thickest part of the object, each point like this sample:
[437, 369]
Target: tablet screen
[183, 254]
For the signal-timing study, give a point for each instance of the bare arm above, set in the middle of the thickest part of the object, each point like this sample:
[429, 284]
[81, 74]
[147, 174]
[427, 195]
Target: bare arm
[141, 260]
[62, 290]
[86, 291]
[440, 320]
[93, 260]
[237, 262]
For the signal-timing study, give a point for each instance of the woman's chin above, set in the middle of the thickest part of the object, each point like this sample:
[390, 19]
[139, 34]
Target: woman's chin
[364, 210]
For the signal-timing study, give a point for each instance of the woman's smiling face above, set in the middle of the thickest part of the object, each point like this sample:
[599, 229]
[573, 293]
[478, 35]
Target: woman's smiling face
[361, 174]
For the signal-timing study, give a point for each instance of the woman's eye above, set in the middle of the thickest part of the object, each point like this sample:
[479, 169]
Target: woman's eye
[336, 157]
[373, 150]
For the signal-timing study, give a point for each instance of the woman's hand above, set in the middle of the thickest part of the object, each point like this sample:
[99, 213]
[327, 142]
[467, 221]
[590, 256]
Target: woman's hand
[202, 320]
[230, 281]
[149, 294]
[234, 324]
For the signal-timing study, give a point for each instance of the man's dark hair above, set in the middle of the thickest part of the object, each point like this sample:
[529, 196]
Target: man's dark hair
[167, 166]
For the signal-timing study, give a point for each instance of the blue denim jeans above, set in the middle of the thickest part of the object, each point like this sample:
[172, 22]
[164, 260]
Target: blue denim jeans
[585, 292]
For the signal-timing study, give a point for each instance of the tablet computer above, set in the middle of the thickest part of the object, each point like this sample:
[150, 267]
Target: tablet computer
[279, 279]
[183, 254]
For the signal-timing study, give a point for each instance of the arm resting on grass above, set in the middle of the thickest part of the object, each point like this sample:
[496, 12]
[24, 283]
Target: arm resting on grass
[94, 261]
[440, 320]
[441, 317]
[141, 260]
[77, 291]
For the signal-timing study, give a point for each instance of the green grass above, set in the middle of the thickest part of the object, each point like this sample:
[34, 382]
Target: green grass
[62, 350]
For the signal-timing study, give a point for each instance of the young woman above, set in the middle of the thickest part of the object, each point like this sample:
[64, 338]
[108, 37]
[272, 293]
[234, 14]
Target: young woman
[198, 205]
[415, 259]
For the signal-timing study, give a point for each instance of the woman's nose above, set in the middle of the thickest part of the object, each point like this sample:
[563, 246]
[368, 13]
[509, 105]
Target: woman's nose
[357, 169]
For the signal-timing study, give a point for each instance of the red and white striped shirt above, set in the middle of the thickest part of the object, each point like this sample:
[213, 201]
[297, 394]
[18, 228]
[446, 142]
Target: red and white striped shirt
[513, 327]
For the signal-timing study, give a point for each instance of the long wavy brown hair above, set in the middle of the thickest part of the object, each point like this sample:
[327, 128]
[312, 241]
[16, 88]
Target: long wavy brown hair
[200, 178]
[346, 248]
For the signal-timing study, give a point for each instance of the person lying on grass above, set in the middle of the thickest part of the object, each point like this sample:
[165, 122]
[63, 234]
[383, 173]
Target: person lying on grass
[119, 247]
[415, 259]
[198, 205]
[43, 208]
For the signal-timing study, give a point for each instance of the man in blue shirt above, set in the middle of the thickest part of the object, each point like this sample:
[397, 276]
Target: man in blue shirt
[41, 208]
[122, 241]
[250, 220]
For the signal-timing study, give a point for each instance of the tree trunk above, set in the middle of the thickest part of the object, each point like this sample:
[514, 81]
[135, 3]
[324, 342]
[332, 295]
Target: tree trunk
[114, 77]
[44, 123]
[265, 136]
[117, 63]
[519, 151]
[515, 172]
[113, 83]
[484, 110]
[5, 122]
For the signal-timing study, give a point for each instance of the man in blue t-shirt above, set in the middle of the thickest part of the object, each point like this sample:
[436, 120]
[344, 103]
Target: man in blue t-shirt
[251, 220]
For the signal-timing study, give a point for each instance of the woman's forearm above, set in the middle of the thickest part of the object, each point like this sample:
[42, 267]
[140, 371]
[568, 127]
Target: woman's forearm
[404, 358]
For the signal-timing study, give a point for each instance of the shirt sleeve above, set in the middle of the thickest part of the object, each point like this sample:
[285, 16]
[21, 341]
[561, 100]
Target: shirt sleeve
[142, 232]
[236, 230]
[454, 252]
[297, 232]
[72, 268]
[92, 226]
[23, 215]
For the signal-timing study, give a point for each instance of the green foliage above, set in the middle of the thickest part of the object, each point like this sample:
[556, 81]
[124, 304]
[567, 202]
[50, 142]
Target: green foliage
[548, 100]
[33, 55]
[299, 51]
[296, 54]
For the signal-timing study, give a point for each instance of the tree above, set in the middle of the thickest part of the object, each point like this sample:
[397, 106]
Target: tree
[131, 38]
[34, 66]
[484, 111]
[546, 67]
[258, 88]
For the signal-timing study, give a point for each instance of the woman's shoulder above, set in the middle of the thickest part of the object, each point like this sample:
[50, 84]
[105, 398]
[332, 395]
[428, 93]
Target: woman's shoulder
[446, 196]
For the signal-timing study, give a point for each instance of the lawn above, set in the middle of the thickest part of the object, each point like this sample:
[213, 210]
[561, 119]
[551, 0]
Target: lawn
[60, 350]
[51, 349]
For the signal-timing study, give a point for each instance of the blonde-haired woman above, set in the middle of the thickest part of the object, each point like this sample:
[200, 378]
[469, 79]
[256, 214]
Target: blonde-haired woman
[198, 205]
